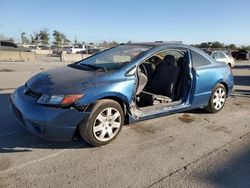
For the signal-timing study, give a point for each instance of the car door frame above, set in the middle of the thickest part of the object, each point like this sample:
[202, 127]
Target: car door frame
[163, 110]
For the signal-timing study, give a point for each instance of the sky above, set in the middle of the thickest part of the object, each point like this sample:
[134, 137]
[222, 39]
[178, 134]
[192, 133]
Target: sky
[190, 21]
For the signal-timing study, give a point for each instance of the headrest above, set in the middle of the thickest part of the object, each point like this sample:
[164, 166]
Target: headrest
[181, 61]
[169, 60]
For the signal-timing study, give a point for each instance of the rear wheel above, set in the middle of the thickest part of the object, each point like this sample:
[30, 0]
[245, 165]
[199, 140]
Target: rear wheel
[104, 123]
[217, 99]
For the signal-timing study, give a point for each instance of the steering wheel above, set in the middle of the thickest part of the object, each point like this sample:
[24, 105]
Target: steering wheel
[143, 69]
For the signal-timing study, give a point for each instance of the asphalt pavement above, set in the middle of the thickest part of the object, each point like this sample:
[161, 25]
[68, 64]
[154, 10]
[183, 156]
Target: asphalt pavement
[190, 149]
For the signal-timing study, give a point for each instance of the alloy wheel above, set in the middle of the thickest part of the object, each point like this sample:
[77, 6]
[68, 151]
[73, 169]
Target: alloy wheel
[107, 124]
[219, 98]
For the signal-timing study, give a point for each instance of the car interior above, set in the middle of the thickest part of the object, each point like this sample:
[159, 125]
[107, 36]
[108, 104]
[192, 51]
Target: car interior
[163, 79]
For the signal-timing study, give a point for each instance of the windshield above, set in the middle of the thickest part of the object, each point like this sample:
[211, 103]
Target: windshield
[115, 58]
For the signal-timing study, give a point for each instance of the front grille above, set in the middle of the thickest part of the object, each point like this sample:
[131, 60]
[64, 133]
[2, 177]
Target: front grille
[32, 93]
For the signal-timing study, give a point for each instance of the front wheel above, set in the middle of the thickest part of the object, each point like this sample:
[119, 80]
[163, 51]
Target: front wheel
[104, 123]
[217, 99]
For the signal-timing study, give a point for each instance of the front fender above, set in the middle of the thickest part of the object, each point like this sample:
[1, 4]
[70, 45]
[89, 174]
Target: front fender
[123, 90]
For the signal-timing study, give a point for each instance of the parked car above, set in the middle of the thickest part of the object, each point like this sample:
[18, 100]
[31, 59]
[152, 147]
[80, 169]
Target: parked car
[89, 51]
[131, 82]
[208, 52]
[223, 57]
[234, 54]
[75, 49]
[242, 55]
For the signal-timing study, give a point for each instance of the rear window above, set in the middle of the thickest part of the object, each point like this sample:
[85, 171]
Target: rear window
[199, 60]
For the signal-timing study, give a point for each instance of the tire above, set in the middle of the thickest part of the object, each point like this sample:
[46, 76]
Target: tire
[217, 99]
[104, 123]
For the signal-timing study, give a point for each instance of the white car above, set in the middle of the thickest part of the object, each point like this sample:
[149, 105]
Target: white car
[223, 57]
[75, 49]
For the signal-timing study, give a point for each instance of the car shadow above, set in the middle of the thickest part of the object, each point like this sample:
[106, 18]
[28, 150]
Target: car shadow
[241, 67]
[197, 111]
[13, 138]
[242, 91]
[242, 80]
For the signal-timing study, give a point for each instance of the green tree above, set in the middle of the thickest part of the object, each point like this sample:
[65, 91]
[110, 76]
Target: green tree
[217, 45]
[242, 47]
[44, 36]
[60, 39]
[24, 39]
[113, 43]
[231, 47]
[65, 40]
[204, 45]
[34, 38]
[107, 44]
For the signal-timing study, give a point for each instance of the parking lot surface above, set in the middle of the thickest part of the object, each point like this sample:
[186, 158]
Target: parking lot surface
[190, 149]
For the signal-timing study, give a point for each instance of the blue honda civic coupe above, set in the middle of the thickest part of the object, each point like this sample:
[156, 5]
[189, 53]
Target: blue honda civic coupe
[131, 82]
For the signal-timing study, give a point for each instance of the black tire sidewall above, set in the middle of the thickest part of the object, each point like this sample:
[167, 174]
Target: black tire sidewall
[86, 128]
[210, 106]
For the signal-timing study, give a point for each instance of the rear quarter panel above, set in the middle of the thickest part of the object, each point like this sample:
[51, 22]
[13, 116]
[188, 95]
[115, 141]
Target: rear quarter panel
[206, 78]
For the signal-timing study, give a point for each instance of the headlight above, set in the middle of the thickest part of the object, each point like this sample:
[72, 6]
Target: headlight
[63, 100]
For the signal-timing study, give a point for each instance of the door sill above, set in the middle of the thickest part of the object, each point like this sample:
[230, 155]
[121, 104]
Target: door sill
[158, 110]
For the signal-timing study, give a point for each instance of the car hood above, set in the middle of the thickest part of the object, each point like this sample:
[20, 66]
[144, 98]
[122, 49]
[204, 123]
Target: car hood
[63, 80]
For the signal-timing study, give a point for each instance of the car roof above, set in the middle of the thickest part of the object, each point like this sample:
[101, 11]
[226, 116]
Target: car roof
[160, 43]
[173, 45]
[165, 44]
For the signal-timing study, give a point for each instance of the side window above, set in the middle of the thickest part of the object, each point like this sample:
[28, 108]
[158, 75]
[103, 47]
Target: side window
[172, 57]
[177, 54]
[199, 60]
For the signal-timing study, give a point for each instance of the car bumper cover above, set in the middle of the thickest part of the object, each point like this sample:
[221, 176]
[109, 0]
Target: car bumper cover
[46, 122]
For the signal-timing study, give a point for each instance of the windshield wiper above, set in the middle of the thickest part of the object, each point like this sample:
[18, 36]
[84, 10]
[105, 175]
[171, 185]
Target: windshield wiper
[97, 67]
[94, 66]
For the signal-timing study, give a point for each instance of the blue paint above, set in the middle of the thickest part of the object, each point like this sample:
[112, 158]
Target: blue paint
[55, 123]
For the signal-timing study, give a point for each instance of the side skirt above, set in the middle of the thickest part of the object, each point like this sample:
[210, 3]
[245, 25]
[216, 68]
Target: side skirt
[150, 112]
